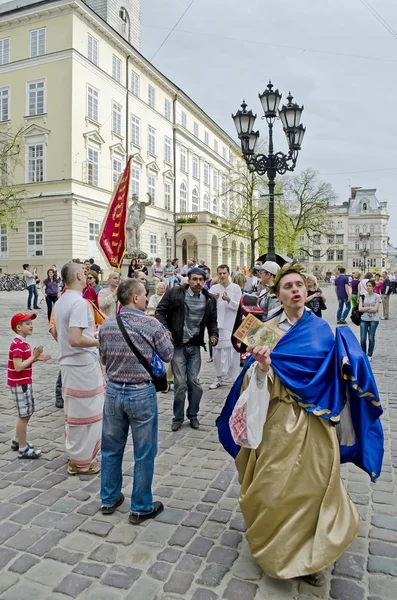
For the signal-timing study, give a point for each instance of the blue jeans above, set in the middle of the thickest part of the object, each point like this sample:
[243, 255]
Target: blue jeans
[136, 406]
[32, 293]
[341, 303]
[368, 329]
[186, 366]
[58, 388]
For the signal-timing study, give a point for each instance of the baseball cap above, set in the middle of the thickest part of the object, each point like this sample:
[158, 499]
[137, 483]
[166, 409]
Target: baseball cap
[269, 266]
[21, 317]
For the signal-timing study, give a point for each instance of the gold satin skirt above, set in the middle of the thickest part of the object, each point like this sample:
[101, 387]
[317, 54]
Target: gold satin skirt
[299, 516]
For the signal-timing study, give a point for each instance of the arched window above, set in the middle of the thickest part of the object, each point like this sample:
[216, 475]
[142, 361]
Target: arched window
[215, 206]
[364, 206]
[357, 245]
[364, 229]
[223, 209]
[206, 202]
[357, 228]
[182, 197]
[195, 200]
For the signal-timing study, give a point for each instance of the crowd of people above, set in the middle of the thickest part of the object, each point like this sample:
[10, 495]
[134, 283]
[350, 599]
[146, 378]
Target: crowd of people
[115, 344]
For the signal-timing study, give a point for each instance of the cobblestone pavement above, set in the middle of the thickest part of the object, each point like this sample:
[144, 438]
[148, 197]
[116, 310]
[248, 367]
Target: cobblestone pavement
[54, 542]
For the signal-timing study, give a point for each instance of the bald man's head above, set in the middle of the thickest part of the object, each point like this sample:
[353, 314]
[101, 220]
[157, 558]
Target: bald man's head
[73, 275]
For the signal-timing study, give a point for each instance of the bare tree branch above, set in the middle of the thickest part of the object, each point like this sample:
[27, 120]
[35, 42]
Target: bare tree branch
[11, 196]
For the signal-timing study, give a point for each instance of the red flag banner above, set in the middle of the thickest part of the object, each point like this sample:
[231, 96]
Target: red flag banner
[113, 236]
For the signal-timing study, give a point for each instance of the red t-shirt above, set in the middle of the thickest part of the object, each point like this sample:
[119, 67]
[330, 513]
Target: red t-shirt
[19, 349]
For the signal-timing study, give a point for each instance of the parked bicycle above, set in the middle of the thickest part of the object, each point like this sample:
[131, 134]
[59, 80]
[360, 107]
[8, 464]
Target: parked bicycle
[10, 283]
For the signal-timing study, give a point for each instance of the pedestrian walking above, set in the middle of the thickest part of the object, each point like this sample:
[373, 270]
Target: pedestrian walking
[315, 299]
[30, 278]
[369, 309]
[355, 282]
[385, 295]
[95, 267]
[51, 291]
[19, 380]
[226, 358]
[362, 287]
[131, 401]
[342, 291]
[186, 311]
[82, 379]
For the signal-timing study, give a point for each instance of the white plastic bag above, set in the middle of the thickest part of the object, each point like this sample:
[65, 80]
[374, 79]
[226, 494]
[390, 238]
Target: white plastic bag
[250, 412]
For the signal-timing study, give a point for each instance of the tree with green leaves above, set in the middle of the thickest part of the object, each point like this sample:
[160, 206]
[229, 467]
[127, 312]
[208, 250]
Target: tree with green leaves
[11, 156]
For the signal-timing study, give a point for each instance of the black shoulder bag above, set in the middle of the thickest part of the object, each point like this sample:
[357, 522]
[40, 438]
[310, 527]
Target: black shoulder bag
[159, 381]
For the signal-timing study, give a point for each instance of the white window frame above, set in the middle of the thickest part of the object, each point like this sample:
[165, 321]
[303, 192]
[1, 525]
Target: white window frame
[93, 95]
[117, 169]
[37, 42]
[183, 197]
[224, 152]
[153, 245]
[92, 171]
[195, 200]
[183, 160]
[196, 129]
[215, 205]
[4, 50]
[135, 130]
[340, 255]
[357, 228]
[116, 118]
[35, 249]
[135, 83]
[167, 196]
[5, 104]
[206, 138]
[151, 186]
[206, 174]
[330, 255]
[116, 68]
[372, 228]
[135, 180]
[151, 96]
[195, 167]
[3, 241]
[34, 162]
[339, 225]
[92, 49]
[168, 248]
[215, 180]
[93, 234]
[151, 140]
[206, 201]
[36, 88]
[184, 119]
[216, 146]
[168, 150]
[167, 109]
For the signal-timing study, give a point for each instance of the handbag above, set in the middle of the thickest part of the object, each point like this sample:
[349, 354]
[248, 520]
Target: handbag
[156, 367]
[250, 412]
[355, 314]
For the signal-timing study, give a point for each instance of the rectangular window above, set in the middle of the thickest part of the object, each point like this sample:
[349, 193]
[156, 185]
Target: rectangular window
[3, 241]
[151, 187]
[151, 140]
[339, 255]
[93, 104]
[196, 129]
[153, 245]
[331, 239]
[4, 51]
[35, 238]
[167, 196]
[116, 68]
[92, 52]
[339, 225]
[35, 163]
[357, 228]
[207, 138]
[36, 97]
[224, 152]
[167, 109]
[93, 232]
[135, 131]
[117, 167]
[339, 238]
[168, 247]
[195, 167]
[316, 239]
[116, 118]
[167, 150]
[215, 180]
[135, 177]
[223, 184]
[151, 96]
[4, 104]
[135, 83]
[183, 160]
[330, 255]
[37, 42]
[184, 120]
[216, 146]
[92, 166]
[206, 174]
[316, 254]
[357, 245]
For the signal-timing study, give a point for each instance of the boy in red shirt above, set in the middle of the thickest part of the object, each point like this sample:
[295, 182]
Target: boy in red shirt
[20, 360]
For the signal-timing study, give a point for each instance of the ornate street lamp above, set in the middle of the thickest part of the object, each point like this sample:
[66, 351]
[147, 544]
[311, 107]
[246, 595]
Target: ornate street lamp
[272, 163]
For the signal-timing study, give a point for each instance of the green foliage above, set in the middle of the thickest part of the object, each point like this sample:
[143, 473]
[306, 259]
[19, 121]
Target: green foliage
[11, 196]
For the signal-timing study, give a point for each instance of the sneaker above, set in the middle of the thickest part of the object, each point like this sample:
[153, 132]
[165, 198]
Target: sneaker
[370, 358]
[176, 426]
[59, 403]
[343, 322]
[15, 445]
[217, 384]
[195, 423]
[29, 452]
[109, 510]
[136, 519]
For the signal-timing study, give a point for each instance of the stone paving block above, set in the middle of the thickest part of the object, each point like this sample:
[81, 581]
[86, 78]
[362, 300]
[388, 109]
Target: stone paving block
[204, 508]
[160, 570]
[25, 496]
[223, 481]
[194, 519]
[96, 528]
[123, 534]
[343, 589]
[220, 516]
[90, 569]
[24, 590]
[200, 546]
[238, 523]
[82, 496]
[144, 588]
[48, 519]
[212, 530]
[26, 514]
[91, 508]
[156, 533]
[246, 568]
[65, 505]
[223, 556]
[231, 539]
[48, 572]
[187, 495]
[7, 530]
[384, 522]
[72, 585]
[182, 536]
[79, 541]
[51, 480]
[383, 498]
[120, 576]
[212, 496]
[6, 555]
[25, 538]
[177, 584]
[386, 535]
[170, 555]
[351, 565]
[64, 556]
[383, 549]
[104, 553]
[23, 563]
[171, 515]
[6, 581]
[240, 590]
[46, 543]
[6, 510]
[203, 594]
[189, 564]
[212, 575]
[377, 564]
[163, 492]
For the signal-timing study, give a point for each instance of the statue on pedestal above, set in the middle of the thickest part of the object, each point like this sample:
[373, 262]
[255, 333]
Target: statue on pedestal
[135, 218]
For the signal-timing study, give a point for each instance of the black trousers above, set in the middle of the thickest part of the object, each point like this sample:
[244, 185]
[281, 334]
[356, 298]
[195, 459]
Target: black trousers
[50, 300]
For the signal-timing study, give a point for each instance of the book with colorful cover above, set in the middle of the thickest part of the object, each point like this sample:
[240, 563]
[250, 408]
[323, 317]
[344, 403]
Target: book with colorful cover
[253, 332]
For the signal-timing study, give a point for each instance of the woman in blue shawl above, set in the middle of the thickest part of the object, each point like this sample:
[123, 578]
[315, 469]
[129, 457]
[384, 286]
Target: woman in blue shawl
[299, 516]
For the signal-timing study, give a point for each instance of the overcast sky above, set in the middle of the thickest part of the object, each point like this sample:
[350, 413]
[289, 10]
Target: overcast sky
[336, 58]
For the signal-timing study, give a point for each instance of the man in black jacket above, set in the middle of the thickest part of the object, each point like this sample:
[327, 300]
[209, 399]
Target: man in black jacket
[186, 311]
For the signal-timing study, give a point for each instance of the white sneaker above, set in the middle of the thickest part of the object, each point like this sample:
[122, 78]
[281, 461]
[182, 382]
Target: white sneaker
[370, 358]
[216, 384]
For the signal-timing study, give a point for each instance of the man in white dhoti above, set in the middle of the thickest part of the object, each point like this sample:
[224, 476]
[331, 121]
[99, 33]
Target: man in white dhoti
[226, 359]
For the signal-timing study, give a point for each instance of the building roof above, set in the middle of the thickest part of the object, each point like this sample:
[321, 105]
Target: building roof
[362, 196]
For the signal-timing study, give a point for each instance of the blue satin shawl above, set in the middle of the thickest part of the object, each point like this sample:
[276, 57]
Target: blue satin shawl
[324, 374]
